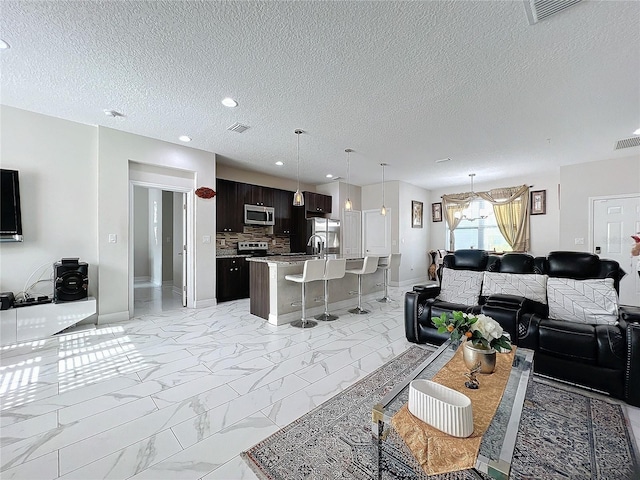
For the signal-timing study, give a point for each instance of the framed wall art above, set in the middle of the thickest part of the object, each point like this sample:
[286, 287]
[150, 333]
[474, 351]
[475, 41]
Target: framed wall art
[539, 202]
[416, 214]
[436, 212]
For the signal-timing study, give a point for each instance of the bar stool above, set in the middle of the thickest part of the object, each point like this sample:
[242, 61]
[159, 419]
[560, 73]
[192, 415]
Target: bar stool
[334, 268]
[369, 265]
[390, 262]
[313, 270]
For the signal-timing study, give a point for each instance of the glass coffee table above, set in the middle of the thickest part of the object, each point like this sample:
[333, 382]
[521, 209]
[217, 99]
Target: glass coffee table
[498, 442]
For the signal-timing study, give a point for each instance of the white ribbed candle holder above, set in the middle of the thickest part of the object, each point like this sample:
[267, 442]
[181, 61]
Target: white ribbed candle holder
[441, 407]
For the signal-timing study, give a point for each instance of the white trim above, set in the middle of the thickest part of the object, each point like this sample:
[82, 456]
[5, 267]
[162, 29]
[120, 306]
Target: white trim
[209, 302]
[141, 279]
[113, 317]
[190, 215]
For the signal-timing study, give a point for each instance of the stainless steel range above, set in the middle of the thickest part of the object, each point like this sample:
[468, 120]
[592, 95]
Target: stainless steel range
[255, 249]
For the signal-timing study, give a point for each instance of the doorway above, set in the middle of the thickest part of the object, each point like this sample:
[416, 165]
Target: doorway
[159, 233]
[613, 220]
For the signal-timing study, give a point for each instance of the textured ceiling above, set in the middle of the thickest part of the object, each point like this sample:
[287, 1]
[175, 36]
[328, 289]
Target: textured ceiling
[404, 83]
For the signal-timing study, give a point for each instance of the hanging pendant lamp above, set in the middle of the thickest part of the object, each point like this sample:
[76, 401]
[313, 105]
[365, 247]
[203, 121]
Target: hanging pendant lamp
[348, 206]
[383, 210]
[298, 198]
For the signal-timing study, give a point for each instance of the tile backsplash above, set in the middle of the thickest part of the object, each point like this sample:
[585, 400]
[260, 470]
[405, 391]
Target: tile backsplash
[227, 242]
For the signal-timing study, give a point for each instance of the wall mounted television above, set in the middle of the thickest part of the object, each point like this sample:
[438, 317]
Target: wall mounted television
[10, 214]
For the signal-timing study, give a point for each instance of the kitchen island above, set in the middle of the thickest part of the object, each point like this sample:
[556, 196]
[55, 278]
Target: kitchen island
[271, 296]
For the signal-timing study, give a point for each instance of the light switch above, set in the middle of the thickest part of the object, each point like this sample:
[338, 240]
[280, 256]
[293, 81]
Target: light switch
[206, 239]
[113, 238]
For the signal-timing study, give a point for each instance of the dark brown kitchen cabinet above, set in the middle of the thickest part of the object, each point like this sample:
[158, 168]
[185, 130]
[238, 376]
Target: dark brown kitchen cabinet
[232, 278]
[283, 204]
[256, 195]
[317, 203]
[229, 214]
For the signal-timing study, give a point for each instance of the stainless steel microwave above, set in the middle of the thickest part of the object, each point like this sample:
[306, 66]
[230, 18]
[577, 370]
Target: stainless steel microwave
[259, 215]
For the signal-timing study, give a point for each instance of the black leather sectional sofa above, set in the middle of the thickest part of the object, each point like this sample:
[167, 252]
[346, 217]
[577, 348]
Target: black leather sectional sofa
[602, 353]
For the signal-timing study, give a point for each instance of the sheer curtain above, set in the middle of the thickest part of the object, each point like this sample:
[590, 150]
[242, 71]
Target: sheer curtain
[510, 206]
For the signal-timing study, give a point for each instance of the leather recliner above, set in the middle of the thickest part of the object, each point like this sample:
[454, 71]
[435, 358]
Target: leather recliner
[592, 355]
[421, 305]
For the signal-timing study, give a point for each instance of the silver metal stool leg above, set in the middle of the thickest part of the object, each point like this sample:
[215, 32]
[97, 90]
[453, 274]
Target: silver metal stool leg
[326, 316]
[359, 310]
[386, 298]
[304, 322]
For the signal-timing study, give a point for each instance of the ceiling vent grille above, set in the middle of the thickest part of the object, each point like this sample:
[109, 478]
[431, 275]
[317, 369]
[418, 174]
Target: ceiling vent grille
[238, 128]
[628, 143]
[538, 10]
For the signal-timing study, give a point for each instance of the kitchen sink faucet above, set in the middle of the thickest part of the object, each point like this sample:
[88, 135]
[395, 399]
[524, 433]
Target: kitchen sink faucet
[320, 244]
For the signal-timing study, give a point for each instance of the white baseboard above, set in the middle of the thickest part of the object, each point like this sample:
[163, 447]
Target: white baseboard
[141, 279]
[113, 317]
[176, 290]
[412, 281]
[209, 302]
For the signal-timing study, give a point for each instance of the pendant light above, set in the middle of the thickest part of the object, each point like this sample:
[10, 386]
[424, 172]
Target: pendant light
[298, 198]
[383, 210]
[348, 206]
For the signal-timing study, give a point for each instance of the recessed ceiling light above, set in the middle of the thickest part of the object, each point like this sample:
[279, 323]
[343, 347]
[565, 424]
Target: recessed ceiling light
[4, 45]
[329, 175]
[229, 102]
[279, 163]
[442, 160]
[637, 132]
[113, 113]
[184, 138]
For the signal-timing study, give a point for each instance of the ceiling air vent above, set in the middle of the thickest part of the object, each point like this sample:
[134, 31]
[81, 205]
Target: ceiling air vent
[627, 143]
[238, 127]
[538, 10]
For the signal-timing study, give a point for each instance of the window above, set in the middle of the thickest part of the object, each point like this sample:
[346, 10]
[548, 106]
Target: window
[478, 229]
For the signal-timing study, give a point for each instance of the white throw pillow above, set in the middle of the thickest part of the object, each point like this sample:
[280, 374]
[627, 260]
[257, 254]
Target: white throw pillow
[460, 286]
[528, 285]
[583, 301]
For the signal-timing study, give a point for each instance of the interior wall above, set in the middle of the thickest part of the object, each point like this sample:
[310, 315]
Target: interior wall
[413, 242]
[155, 235]
[57, 164]
[167, 238]
[115, 150]
[544, 229]
[141, 270]
[579, 182]
[257, 178]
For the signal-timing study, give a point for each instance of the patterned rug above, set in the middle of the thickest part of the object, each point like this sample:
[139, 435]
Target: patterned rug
[563, 435]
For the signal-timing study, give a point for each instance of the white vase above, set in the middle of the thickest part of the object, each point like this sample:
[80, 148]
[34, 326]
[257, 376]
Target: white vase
[441, 407]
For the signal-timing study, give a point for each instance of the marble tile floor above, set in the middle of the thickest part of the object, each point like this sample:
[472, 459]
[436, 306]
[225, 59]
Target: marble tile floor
[179, 394]
[151, 298]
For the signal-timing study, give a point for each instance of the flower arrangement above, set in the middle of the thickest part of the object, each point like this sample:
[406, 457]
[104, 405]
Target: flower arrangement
[482, 331]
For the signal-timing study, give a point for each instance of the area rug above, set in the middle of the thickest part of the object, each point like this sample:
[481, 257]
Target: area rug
[563, 434]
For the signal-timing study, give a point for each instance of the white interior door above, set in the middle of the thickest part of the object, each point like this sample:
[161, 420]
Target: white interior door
[376, 232]
[614, 220]
[351, 232]
[184, 249]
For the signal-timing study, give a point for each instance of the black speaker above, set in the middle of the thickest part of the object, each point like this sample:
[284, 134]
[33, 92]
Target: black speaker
[71, 280]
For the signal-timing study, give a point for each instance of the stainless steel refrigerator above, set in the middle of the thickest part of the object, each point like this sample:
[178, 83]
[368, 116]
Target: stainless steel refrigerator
[329, 232]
